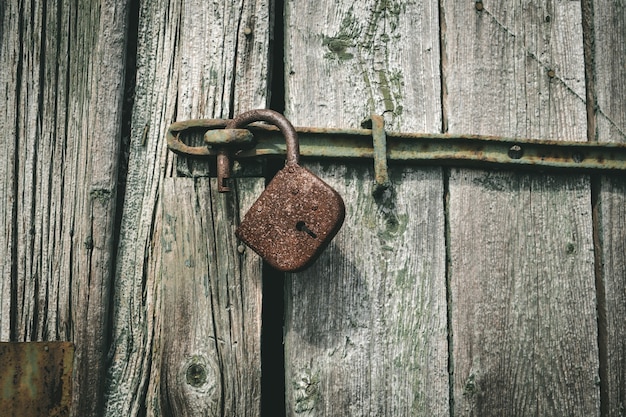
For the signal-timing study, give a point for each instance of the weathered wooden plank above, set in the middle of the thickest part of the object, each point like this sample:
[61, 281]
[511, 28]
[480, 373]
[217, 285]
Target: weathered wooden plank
[347, 60]
[612, 234]
[61, 123]
[609, 81]
[194, 60]
[366, 326]
[365, 330]
[523, 310]
[9, 56]
[211, 323]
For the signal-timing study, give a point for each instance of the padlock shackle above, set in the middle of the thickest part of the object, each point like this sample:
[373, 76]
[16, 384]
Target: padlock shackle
[277, 119]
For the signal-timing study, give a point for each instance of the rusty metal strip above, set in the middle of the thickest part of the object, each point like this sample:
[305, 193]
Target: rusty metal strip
[379, 140]
[433, 149]
[36, 378]
[176, 145]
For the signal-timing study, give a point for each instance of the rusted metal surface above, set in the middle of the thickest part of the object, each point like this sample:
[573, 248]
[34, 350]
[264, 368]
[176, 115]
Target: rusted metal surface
[290, 136]
[433, 149]
[244, 119]
[226, 140]
[235, 138]
[219, 141]
[36, 379]
[176, 129]
[223, 171]
[379, 141]
[294, 219]
[298, 214]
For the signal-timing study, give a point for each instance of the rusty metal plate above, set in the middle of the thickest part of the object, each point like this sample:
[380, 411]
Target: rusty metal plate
[36, 379]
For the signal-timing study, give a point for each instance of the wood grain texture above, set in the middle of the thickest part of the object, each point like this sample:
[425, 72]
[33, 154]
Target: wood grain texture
[10, 55]
[211, 302]
[61, 117]
[609, 61]
[523, 305]
[366, 325]
[345, 60]
[193, 61]
[365, 330]
[612, 232]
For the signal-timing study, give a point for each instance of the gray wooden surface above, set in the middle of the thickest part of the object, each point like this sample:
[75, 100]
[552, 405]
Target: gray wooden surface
[365, 330]
[523, 304]
[211, 305]
[609, 86]
[194, 60]
[456, 292]
[60, 116]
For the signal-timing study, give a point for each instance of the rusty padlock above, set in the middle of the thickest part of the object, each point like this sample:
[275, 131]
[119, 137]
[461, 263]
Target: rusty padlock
[297, 215]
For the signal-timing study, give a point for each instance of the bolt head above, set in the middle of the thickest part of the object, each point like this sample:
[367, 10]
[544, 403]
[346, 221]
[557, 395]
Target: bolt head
[515, 152]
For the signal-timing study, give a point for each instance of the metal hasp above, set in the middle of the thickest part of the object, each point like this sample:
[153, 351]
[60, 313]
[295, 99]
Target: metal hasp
[244, 119]
[433, 149]
[36, 379]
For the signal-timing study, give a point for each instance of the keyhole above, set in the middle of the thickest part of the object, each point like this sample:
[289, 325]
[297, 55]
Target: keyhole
[301, 226]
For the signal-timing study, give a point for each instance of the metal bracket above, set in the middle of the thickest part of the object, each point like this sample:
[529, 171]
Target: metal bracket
[432, 149]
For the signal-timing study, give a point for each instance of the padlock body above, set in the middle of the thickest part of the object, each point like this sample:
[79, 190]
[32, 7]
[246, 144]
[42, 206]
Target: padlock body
[293, 220]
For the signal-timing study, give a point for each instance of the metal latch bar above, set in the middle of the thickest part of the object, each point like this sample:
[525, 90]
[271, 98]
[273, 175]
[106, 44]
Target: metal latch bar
[433, 149]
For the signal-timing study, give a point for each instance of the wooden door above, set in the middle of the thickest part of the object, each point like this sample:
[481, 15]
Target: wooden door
[187, 310]
[456, 292]
[366, 327]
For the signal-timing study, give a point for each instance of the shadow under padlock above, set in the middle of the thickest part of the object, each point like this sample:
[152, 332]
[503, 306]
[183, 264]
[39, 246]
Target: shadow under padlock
[297, 215]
